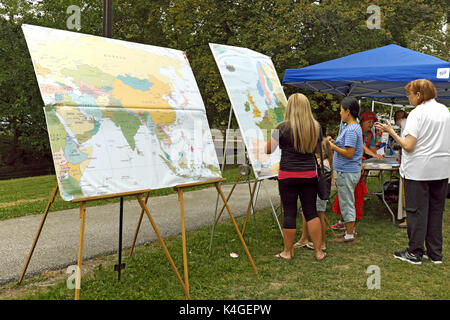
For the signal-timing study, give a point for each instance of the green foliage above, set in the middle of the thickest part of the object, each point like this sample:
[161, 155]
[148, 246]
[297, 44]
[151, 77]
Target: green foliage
[20, 103]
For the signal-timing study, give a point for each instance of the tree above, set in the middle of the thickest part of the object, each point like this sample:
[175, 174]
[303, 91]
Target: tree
[295, 33]
[20, 103]
[433, 41]
[190, 25]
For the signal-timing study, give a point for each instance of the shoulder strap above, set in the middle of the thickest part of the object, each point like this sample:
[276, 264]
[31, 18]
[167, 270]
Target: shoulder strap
[321, 154]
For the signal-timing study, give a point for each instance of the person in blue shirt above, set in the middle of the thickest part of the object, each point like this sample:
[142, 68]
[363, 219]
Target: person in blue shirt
[348, 150]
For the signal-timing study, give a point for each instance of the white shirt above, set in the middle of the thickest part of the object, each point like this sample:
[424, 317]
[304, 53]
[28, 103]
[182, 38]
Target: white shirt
[429, 123]
[402, 126]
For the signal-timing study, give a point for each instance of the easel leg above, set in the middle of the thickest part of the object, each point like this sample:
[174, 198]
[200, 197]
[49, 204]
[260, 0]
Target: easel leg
[183, 239]
[80, 250]
[138, 226]
[161, 241]
[120, 266]
[250, 203]
[228, 198]
[328, 223]
[236, 227]
[274, 213]
[50, 201]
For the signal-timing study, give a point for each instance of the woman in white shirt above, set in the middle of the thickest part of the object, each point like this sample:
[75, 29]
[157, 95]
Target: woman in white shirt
[425, 165]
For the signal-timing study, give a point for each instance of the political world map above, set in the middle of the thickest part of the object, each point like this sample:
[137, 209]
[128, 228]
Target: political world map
[121, 116]
[257, 99]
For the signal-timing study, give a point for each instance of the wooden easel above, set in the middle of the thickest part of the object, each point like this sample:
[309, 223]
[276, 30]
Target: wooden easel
[250, 203]
[82, 202]
[253, 194]
[250, 207]
[179, 189]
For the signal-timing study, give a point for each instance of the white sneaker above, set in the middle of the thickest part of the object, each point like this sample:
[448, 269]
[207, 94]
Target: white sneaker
[425, 256]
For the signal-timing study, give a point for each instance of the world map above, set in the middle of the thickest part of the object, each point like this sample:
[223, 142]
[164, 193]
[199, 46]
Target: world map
[121, 116]
[257, 99]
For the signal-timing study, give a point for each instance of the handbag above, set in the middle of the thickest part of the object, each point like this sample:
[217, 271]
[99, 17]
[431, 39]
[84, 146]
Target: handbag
[324, 177]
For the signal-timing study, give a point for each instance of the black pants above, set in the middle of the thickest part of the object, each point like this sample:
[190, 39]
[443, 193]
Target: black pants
[290, 190]
[425, 202]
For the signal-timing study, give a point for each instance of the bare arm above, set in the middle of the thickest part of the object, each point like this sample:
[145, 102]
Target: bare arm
[346, 152]
[370, 152]
[271, 145]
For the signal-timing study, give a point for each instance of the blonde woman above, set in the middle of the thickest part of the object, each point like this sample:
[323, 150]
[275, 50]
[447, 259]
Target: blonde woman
[298, 138]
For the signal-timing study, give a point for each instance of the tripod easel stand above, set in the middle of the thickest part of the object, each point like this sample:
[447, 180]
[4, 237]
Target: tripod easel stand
[251, 204]
[179, 189]
[253, 192]
[82, 202]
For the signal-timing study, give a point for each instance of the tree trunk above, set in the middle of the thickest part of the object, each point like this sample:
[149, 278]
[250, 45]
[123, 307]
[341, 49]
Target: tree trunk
[14, 151]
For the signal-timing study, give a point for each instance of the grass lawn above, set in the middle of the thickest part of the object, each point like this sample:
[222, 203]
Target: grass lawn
[27, 196]
[217, 276]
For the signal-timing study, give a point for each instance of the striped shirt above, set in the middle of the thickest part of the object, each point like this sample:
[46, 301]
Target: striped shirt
[351, 137]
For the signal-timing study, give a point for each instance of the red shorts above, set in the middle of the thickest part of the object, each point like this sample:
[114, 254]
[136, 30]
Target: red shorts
[360, 191]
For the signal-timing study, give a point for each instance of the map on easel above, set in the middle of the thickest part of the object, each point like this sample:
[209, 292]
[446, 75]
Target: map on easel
[121, 116]
[257, 99]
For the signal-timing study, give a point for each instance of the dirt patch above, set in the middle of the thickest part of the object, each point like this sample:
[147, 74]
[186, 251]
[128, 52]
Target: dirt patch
[15, 203]
[49, 278]
[275, 285]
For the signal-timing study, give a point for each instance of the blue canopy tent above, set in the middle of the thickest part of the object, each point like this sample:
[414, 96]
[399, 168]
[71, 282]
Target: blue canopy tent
[380, 73]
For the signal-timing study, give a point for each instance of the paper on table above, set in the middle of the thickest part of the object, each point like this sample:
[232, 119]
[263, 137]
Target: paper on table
[379, 166]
